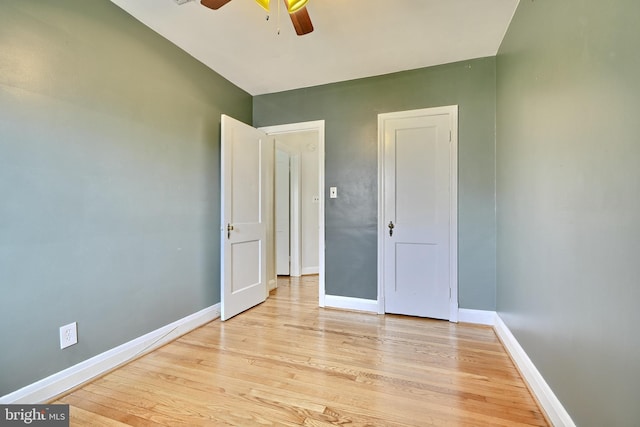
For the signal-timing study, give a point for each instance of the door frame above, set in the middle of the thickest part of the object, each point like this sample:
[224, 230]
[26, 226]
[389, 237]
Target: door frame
[452, 111]
[318, 126]
[290, 211]
[295, 213]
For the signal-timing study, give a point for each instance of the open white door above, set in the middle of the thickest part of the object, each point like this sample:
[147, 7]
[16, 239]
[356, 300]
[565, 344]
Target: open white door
[243, 264]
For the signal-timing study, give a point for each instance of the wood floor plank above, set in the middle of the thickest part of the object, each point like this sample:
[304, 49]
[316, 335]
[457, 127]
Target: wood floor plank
[81, 417]
[287, 362]
[345, 369]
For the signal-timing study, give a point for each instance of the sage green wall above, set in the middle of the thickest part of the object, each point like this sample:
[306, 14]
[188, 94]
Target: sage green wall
[568, 186]
[351, 110]
[109, 182]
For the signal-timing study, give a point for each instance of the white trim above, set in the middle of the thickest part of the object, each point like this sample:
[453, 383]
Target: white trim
[285, 149]
[317, 126]
[478, 317]
[309, 270]
[295, 226]
[349, 303]
[452, 111]
[56, 384]
[272, 284]
[453, 213]
[557, 414]
[381, 230]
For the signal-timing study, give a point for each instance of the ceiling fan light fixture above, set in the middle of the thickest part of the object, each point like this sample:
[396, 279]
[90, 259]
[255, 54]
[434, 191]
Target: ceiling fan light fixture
[295, 5]
[264, 4]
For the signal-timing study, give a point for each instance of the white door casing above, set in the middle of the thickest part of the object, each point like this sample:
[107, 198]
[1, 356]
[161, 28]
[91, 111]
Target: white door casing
[244, 151]
[417, 245]
[282, 191]
[295, 230]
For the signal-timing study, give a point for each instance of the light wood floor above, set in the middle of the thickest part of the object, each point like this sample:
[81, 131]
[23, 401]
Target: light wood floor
[289, 363]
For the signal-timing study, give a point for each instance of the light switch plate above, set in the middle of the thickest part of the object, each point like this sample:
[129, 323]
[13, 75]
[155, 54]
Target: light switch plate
[333, 192]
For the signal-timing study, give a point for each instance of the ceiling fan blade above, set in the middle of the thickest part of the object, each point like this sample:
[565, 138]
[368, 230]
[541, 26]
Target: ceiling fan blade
[301, 22]
[214, 4]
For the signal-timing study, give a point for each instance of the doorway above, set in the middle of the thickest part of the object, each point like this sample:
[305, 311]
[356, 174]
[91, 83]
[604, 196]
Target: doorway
[303, 144]
[417, 230]
[297, 193]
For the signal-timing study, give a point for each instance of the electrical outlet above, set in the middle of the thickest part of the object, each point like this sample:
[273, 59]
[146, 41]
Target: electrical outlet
[68, 335]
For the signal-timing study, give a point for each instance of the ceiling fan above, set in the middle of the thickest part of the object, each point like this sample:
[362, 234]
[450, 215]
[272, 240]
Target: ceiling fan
[297, 10]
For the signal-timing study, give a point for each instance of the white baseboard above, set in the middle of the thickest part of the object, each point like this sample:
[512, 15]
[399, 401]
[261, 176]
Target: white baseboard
[548, 400]
[479, 317]
[56, 384]
[273, 283]
[310, 270]
[350, 303]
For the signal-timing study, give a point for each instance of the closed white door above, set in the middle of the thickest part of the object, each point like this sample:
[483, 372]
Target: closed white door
[244, 151]
[282, 213]
[417, 212]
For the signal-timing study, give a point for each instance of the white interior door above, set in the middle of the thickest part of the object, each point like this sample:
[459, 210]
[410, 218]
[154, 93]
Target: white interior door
[244, 151]
[282, 213]
[417, 213]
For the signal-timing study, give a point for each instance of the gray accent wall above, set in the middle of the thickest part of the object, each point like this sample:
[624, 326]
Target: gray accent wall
[109, 182]
[568, 197]
[350, 110]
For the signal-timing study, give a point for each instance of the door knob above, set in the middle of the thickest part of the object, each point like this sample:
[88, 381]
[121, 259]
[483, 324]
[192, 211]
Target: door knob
[229, 228]
[391, 227]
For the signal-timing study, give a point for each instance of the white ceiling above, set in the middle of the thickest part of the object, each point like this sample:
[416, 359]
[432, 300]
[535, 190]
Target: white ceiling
[352, 38]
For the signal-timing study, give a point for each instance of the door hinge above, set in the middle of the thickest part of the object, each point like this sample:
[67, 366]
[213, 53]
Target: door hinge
[450, 136]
